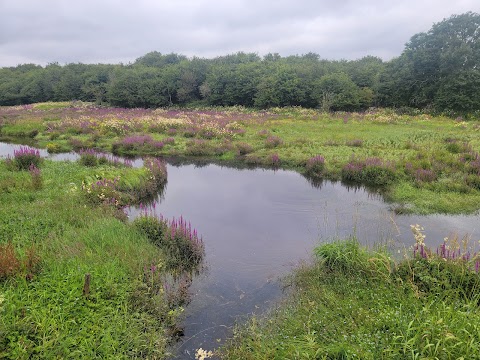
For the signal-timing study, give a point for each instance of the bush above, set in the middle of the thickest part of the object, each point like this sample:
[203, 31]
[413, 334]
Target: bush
[137, 143]
[53, 148]
[371, 171]
[11, 264]
[244, 148]
[273, 160]
[199, 148]
[153, 228]
[36, 175]
[26, 156]
[88, 157]
[273, 141]
[181, 243]
[315, 165]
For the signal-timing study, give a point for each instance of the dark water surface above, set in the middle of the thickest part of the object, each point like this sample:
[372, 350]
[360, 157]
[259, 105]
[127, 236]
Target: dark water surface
[258, 224]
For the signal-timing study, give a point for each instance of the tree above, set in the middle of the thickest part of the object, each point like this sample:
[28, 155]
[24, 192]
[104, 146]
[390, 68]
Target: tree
[338, 92]
[432, 62]
[281, 86]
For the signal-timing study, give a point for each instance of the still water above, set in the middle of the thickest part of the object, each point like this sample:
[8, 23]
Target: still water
[259, 224]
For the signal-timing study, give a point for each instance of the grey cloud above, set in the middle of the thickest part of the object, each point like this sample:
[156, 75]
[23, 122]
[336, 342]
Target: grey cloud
[111, 31]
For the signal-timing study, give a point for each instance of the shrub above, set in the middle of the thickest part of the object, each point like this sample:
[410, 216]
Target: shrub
[424, 175]
[253, 160]
[88, 157]
[53, 148]
[474, 166]
[315, 165]
[36, 176]
[454, 147]
[244, 148]
[372, 171]
[169, 141]
[11, 264]
[183, 247]
[137, 143]
[103, 191]
[153, 228]
[26, 156]
[190, 132]
[352, 172]
[150, 185]
[273, 160]
[91, 157]
[199, 148]
[448, 271]
[77, 144]
[441, 274]
[263, 133]
[157, 169]
[273, 141]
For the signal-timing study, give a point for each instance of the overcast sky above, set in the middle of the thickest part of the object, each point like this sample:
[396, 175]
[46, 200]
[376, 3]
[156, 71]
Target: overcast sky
[108, 31]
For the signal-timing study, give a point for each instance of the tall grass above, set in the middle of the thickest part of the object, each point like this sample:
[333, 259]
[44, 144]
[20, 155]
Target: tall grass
[354, 303]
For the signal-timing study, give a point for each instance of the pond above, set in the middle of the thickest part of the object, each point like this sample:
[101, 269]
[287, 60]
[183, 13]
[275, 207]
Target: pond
[259, 224]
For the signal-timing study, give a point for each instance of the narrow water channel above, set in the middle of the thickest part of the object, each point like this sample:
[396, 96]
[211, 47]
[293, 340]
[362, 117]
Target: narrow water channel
[259, 224]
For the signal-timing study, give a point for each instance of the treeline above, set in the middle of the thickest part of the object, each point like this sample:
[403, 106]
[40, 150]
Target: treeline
[438, 70]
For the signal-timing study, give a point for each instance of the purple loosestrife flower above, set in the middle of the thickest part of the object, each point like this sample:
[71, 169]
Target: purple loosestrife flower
[25, 156]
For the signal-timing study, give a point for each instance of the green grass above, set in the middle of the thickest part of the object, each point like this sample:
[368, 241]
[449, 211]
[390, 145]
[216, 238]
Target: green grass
[43, 312]
[442, 147]
[351, 303]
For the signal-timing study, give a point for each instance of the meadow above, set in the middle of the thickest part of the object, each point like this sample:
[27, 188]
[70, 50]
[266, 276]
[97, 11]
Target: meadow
[422, 164]
[77, 280]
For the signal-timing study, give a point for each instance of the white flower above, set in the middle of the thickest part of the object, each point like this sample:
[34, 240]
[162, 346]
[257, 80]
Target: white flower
[203, 354]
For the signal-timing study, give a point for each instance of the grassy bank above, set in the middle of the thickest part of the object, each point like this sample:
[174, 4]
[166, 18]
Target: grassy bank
[421, 163]
[357, 304]
[60, 221]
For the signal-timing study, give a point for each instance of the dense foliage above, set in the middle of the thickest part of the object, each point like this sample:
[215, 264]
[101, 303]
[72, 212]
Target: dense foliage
[437, 70]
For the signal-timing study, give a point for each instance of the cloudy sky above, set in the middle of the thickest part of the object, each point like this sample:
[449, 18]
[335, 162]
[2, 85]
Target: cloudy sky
[113, 31]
